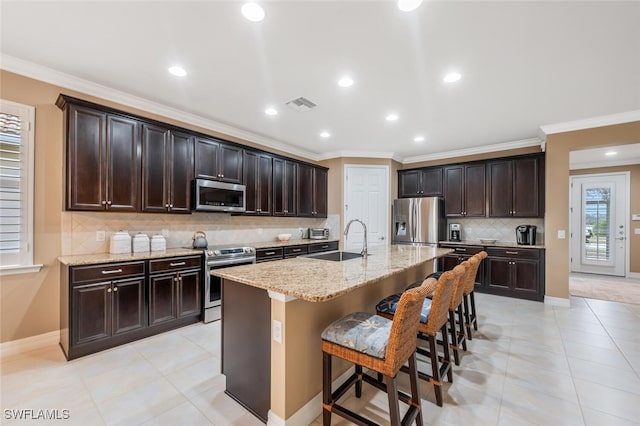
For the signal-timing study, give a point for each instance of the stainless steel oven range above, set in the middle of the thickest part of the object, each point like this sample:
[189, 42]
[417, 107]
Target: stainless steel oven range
[221, 257]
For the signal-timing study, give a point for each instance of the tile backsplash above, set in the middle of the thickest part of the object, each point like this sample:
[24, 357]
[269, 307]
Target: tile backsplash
[80, 228]
[501, 229]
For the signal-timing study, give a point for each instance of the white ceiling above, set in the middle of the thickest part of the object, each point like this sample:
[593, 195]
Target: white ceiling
[523, 65]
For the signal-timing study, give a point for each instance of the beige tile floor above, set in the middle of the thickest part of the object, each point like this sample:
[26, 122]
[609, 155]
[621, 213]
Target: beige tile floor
[529, 364]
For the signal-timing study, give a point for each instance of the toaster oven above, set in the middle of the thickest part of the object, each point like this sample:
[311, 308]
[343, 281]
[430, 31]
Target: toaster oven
[318, 233]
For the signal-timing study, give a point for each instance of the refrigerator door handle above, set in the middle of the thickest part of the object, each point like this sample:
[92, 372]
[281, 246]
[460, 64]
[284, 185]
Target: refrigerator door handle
[414, 219]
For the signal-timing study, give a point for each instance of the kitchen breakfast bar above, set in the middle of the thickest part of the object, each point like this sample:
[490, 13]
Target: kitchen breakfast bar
[273, 315]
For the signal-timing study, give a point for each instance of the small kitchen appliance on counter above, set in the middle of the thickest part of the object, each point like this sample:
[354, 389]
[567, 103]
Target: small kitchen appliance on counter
[526, 235]
[318, 233]
[455, 234]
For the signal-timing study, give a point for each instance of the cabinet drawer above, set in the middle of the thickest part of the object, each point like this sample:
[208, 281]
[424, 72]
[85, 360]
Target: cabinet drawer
[514, 252]
[470, 250]
[269, 253]
[107, 271]
[174, 264]
[293, 251]
[317, 247]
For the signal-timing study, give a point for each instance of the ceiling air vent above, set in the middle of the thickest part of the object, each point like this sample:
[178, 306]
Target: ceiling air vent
[301, 104]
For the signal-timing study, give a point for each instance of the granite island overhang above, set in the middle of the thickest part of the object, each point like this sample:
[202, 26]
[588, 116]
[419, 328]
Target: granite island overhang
[273, 314]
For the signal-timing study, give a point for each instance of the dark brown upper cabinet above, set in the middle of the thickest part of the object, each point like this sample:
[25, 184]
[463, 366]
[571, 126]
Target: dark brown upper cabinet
[217, 160]
[258, 179]
[420, 183]
[312, 191]
[516, 187]
[464, 190]
[167, 169]
[103, 160]
[284, 187]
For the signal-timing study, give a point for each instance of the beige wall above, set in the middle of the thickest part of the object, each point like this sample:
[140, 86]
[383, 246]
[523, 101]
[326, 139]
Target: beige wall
[557, 200]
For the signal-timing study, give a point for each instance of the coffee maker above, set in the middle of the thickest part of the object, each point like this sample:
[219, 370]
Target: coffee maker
[526, 235]
[454, 232]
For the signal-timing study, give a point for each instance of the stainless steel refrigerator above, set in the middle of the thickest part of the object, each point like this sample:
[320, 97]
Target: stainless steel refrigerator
[418, 221]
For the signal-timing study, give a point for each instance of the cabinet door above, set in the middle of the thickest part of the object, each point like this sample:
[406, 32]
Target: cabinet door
[180, 169]
[163, 298]
[189, 293]
[90, 312]
[154, 163]
[500, 188]
[85, 159]
[474, 190]
[305, 190]
[123, 164]
[265, 184]
[251, 181]
[284, 186]
[499, 273]
[454, 191]
[128, 305]
[526, 278]
[448, 262]
[525, 187]
[231, 163]
[408, 183]
[320, 193]
[206, 158]
[431, 182]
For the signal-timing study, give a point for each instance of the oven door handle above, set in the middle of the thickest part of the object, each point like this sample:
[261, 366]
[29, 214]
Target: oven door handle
[230, 262]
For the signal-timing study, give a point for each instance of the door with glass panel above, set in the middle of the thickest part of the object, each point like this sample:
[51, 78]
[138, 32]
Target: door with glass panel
[598, 224]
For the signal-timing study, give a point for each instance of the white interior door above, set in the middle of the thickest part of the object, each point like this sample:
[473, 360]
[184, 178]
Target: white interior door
[367, 199]
[598, 224]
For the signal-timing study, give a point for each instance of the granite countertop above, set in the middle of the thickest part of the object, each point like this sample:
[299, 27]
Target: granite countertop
[89, 259]
[509, 244]
[292, 242]
[317, 280]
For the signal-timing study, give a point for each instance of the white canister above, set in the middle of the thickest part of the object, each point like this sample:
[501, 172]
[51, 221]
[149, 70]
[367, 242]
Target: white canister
[158, 243]
[140, 243]
[120, 243]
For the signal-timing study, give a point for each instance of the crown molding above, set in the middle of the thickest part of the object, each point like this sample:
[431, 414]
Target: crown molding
[359, 154]
[525, 143]
[589, 123]
[598, 164]
[68, 81]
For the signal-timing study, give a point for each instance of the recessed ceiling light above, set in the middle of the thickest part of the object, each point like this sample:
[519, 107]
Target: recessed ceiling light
[418, 139]
[610, 153]
[408, 5]
[345, 82]
[271, 111]
[452, 77]
[391, 117]
[178, 71]
[253, 12]
[325, 134]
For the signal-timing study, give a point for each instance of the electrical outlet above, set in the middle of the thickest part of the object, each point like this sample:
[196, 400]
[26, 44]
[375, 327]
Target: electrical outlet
[277, 331]
[165, 233]
[100, 235]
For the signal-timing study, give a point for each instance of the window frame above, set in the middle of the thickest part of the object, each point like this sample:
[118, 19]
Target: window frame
[25, 258]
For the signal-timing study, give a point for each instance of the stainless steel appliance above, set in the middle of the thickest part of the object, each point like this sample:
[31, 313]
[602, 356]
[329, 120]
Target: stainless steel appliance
[418, 221]
[455, 234]
[526, 234]
[318, 233]
[221, 257]
[214, 196]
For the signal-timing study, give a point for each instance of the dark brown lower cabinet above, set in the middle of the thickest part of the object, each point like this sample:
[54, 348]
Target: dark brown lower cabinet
[106, 305]
[461, 254]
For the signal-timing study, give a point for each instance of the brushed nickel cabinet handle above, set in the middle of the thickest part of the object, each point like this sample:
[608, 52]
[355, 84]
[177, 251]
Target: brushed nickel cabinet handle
[113, 271]
[461, 249]
[511, 252]
[177, 264]
[296, 250]
[270, 253]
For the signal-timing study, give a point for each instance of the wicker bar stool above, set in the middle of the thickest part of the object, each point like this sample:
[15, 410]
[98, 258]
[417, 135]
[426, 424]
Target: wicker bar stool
[381, 345]
[468, 298]
[434, 318]
[458, 339]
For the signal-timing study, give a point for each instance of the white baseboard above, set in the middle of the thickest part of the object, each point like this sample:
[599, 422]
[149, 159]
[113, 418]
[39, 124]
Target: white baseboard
[310, 411]
[20, 346]
[634, 275]
[557, 301]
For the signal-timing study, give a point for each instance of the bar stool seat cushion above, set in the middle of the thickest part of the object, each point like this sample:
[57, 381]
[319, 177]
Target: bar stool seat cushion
[389, 304]
[362, 332]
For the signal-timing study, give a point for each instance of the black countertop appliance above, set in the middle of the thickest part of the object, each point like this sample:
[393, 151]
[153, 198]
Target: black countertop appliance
[526, 235]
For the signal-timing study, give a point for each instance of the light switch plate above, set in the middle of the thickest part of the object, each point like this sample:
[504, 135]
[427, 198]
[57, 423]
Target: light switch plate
[562, 234]
[100, 235]
[636, 231]
[635, 216]
[277, 331]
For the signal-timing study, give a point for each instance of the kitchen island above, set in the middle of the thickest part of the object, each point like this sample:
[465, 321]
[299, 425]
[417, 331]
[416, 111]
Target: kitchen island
[273, 314]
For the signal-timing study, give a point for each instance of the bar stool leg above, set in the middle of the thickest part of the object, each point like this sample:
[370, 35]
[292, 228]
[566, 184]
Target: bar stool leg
[326, 389]
[359, 381]
[461, 330]
[435, 370]
[446, 353]
[392, 395]
[474, 318]
[467, 317]
[415, 393]
[454, 337]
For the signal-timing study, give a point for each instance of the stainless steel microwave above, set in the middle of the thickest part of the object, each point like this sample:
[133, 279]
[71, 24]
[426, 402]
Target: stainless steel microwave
[214, 196]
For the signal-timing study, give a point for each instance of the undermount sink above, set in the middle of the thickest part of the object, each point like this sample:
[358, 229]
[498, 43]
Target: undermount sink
[335, 256]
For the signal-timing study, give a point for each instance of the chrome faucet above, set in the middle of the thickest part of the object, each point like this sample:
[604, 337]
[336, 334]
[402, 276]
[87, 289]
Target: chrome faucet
[364, 242]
